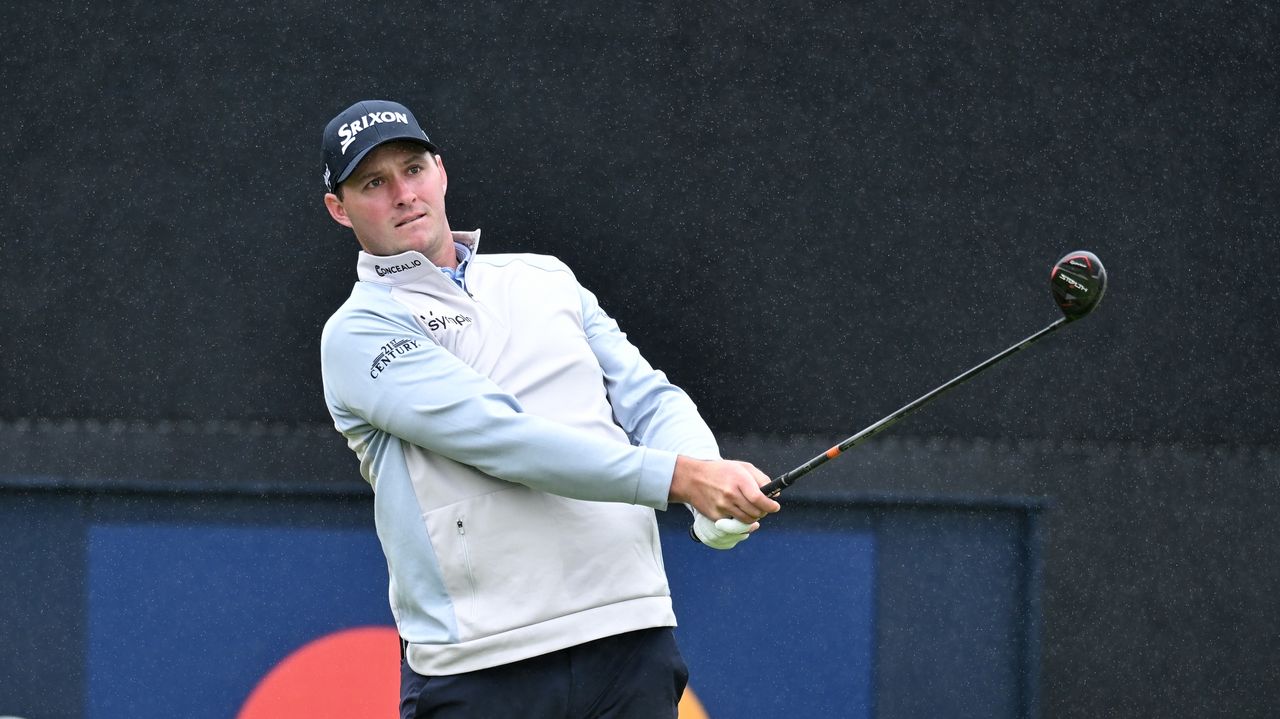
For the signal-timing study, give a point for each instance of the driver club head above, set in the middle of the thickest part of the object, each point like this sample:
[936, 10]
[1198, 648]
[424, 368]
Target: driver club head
[1078, 282]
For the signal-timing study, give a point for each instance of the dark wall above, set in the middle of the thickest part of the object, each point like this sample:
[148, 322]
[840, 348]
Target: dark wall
[807, 213]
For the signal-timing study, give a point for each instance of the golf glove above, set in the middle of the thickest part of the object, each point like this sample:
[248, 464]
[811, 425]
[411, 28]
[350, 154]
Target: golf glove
[719, 534]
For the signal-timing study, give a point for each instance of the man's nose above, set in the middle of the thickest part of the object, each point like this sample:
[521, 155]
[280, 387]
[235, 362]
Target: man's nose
[403, 192]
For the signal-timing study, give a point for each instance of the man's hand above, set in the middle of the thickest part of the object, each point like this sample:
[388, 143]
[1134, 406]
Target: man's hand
[721, 533]
[720, 489]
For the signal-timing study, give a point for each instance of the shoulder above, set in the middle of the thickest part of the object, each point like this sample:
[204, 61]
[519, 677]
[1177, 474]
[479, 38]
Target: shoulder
[523, 261]
[370, 308]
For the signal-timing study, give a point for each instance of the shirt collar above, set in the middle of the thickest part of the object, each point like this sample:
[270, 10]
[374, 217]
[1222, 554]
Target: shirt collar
[459, 274]
[408, 267]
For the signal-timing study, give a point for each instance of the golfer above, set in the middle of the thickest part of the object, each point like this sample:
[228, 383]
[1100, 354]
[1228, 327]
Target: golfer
[517, 445]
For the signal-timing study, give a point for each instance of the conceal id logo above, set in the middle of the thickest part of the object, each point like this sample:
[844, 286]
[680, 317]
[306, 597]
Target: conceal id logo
[391, 351]
[437, 323]
[392, 269]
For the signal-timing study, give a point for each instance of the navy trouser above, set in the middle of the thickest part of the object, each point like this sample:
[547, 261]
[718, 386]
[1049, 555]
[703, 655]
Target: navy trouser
[637, 675]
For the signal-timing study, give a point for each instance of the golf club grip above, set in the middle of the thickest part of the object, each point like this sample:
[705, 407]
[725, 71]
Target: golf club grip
[781, 482]
[774, 487]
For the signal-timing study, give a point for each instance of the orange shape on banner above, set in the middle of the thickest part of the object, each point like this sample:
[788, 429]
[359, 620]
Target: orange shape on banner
[690, 707]
[351, 674]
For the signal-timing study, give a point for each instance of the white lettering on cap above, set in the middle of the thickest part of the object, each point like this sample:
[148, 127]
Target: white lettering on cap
[349, 131]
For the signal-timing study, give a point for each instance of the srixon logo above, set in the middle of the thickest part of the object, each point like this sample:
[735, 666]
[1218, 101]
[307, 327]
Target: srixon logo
[390, 352]
[349, 131]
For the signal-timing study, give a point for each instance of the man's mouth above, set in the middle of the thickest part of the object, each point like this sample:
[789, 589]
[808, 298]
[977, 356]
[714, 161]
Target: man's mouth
[411, 218]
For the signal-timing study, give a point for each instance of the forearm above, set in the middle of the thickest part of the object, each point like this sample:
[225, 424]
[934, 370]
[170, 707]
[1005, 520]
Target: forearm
[649, 408]
[428, 397]
[515, 446]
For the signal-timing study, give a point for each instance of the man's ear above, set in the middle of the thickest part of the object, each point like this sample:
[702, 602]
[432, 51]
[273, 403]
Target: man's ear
[444, 176]
[336, 210]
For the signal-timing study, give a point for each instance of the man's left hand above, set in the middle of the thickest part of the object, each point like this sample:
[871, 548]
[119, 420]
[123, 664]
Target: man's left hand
[722, 533]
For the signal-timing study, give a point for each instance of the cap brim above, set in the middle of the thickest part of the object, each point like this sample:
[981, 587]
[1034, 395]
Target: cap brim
[355, 162]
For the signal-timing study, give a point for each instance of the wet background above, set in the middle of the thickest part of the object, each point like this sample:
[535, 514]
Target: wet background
[808, 214]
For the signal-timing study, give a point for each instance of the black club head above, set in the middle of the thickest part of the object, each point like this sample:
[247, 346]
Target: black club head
[1078, 282]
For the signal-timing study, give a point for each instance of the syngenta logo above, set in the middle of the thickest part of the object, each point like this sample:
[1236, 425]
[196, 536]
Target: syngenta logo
[349, 131]
[391, 270]
[435, 324]
[390, 352]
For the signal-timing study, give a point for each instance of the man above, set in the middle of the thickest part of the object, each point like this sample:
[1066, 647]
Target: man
[517, 445]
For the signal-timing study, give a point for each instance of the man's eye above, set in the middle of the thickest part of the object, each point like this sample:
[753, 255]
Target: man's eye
[415, 169]
[375, 182]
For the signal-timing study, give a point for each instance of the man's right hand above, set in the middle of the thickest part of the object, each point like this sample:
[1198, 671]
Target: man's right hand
[722, 488]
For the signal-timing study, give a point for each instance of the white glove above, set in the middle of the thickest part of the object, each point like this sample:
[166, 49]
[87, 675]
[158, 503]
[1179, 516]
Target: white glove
[720, 534]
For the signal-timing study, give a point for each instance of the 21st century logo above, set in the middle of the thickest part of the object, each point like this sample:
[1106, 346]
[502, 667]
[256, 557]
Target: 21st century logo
[390, 351]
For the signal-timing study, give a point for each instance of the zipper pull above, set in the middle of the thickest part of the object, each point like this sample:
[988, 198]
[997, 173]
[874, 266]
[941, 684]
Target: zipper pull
[460, 528]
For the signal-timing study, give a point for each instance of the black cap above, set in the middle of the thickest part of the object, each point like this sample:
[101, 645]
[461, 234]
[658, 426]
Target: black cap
[360, 128]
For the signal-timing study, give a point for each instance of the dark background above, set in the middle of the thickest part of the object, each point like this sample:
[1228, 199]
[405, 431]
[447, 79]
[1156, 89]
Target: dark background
[806, 213]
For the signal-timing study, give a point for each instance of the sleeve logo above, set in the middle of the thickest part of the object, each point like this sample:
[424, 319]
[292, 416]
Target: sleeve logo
[390, 352]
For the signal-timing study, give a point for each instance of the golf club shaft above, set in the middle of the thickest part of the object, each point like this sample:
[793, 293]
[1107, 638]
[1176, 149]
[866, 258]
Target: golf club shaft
[776, 486]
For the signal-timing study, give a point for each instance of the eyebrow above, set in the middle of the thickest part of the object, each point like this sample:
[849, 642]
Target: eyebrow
[360, 177]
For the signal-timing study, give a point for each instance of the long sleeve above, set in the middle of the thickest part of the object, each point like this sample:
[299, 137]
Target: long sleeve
[383, 372]
[652, 411]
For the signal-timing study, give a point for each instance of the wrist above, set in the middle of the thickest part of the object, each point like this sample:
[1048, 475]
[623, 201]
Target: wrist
[686, 468]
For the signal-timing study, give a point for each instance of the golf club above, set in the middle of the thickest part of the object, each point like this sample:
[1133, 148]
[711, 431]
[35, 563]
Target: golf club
[1077, 281]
